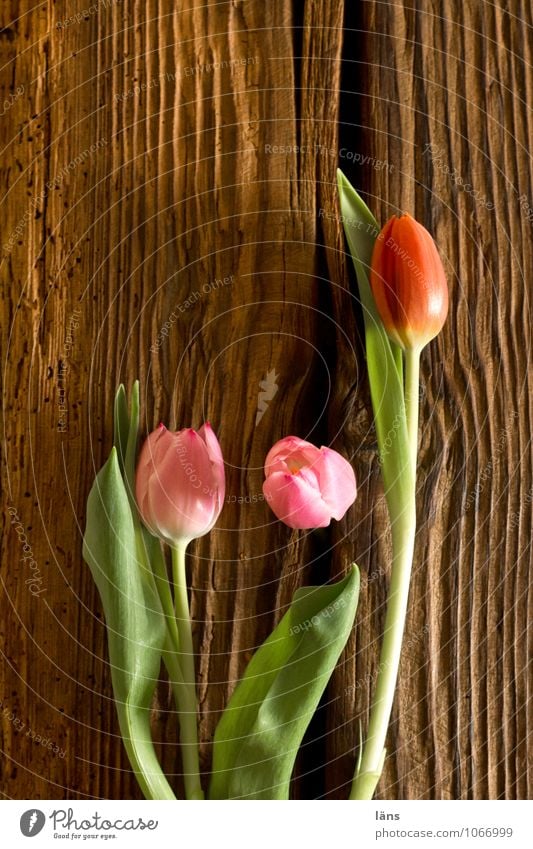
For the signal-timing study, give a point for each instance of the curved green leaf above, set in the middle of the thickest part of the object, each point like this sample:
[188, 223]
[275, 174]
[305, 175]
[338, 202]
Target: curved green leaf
[121, 425]
[259, 733]
[135, 624]
[131, 447]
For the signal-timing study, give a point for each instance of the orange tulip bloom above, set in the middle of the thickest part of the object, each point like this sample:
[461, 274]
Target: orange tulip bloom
[408, 283]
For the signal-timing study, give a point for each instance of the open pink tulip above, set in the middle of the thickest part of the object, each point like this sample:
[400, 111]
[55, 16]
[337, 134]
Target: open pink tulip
[179, 483]
[307, 486]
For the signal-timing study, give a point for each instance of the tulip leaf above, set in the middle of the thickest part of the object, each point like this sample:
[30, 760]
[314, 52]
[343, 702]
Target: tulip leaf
[262, 727]
[126, 436]
[131, 446]
[134, 620]
[384, 358]
[122, 425]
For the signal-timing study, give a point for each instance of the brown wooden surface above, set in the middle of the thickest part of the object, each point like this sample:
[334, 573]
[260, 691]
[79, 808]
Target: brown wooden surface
[178, 190]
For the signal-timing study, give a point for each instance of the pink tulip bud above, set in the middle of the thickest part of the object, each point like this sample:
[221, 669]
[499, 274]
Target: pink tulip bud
[307, 486]
[179, 483]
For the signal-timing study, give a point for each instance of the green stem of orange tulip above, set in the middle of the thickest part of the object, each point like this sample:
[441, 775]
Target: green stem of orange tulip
[403, 523]
[412, 387]
[186, 694]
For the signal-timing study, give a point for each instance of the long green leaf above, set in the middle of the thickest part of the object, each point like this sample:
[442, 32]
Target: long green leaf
[134, 621]
[384, 358]
[149, 550]
[131, 447]
[121, 424]
[259, 733]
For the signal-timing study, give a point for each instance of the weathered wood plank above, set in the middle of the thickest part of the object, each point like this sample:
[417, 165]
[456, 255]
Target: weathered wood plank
[444, 103]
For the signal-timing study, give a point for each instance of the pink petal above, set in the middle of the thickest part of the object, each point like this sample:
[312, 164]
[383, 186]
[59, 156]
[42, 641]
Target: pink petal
[176, 486]
[295, 501]
[290, 448]
[336, 479]
[214, 451]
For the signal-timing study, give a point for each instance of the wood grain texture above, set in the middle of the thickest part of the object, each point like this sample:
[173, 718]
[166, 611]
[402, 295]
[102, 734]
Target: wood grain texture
[169, 212]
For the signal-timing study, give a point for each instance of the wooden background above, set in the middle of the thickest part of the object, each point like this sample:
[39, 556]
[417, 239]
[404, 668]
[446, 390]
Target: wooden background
[150, 149]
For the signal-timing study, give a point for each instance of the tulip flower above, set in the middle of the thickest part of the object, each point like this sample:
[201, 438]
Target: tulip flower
[408, 283]
[180, 483]
[179, 486]
[405, 306]
[307, 486]
[411, 295]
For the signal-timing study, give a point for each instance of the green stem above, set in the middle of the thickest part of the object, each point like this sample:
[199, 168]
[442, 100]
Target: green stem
[163, 588]
[372, 759]
[187, 704]
[412, 384]
[185, 698]
[403, 522]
